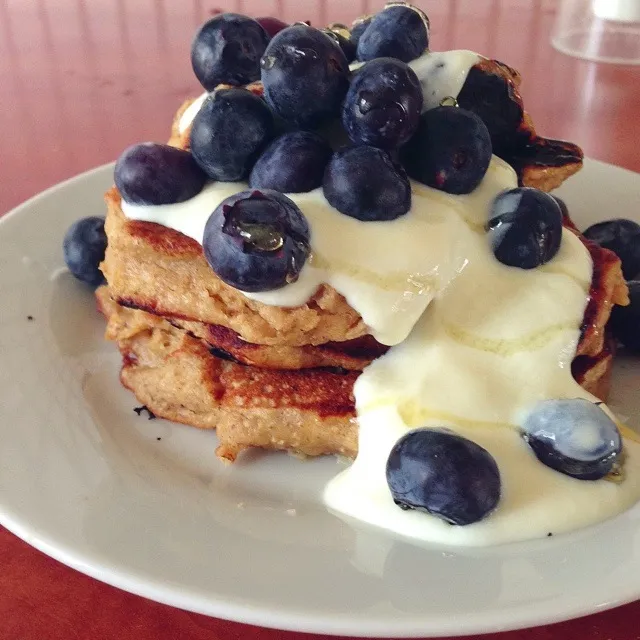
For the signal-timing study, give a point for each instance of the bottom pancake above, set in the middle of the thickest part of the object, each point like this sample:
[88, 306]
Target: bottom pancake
[307, 411]
[310, 411]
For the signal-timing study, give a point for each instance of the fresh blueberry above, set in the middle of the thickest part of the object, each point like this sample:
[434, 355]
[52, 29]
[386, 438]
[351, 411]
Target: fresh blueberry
[363, 182]
[450, 151]
[444, 474]
[525, 227]
[256, 241]
[229, 132]
[292, 163]
[347, 46]
[490, 95]
[358, 29]
[227, 49]
[573, 436]
[272, 26]
[623, 238]
[563, 207]
[305, 75]
[396, 32]
[625, 321]
[84, 245]
[383, 105]
[151, 173]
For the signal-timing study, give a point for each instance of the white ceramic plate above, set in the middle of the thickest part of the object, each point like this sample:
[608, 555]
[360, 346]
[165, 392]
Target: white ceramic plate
[145, 506]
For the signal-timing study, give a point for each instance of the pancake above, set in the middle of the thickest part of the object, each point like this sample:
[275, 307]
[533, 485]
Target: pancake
[308, 411]
[157, 269]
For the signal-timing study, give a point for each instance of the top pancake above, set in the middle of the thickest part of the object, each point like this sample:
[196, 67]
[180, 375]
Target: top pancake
[161, 271]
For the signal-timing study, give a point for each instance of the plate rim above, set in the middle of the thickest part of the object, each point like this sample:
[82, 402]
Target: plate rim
[295, 619]
[333, 625]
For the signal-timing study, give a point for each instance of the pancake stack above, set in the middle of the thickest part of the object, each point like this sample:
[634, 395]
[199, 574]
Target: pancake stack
[197, 351]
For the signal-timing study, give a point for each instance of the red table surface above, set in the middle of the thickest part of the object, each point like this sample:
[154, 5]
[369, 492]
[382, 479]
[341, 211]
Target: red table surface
[82, 79]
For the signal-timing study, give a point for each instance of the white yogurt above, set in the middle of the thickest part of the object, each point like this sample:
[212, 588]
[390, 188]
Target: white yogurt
[443, 74]
[191, 112]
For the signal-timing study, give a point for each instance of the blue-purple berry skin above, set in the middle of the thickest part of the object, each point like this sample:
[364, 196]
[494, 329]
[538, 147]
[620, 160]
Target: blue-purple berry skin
[229, 133]
[292, 163]
[227, 50]
[365, 183]
[444, 474]
[84, 247]
[305, 76]
[257, 241]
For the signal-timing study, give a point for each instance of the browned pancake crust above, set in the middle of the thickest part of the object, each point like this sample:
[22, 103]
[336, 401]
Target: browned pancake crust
[175, 375]
[352, 355]
[608, 288]
[492, 91]
[593, 373]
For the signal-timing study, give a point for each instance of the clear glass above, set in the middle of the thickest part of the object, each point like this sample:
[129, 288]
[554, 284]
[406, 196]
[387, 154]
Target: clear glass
[599, 30]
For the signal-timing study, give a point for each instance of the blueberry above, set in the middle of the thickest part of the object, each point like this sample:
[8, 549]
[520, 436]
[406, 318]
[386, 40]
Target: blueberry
[491, 97]
[525, 227]
[625, 321]
[229, 132]
[272, 26]
[256, 241]
[151, 173]
[396, 32]
[444, 474]
[363, 182]
[383, 105]
[563, 207]
[347, 46]
[227, 49]
[292, 163]
[450, 151]
[574, 437]
[623, 238]
[358, 29]
[305, 75]
[84, 245]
